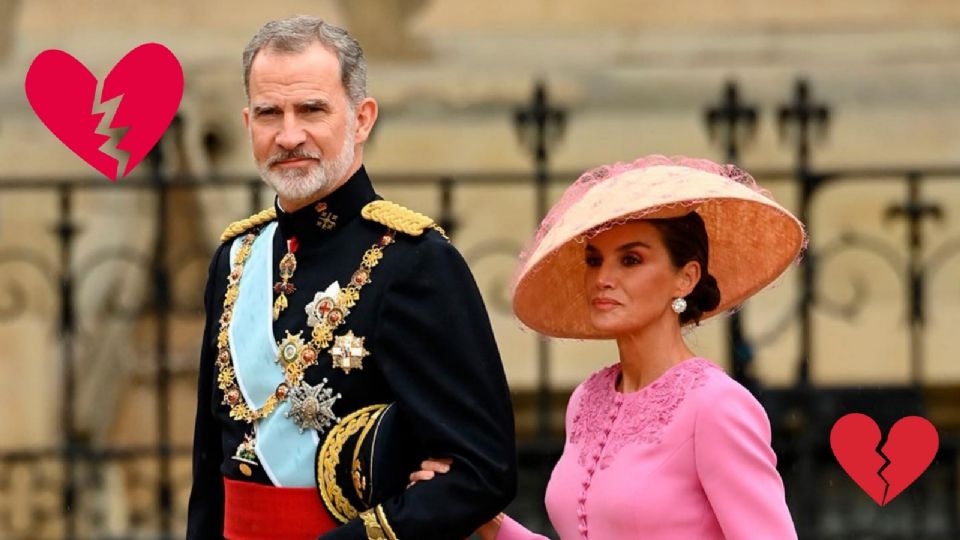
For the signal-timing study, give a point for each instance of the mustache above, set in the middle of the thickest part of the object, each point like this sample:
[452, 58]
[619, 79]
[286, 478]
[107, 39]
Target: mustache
[290, 155]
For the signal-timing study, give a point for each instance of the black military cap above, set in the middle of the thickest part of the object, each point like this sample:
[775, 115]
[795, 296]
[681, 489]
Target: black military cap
[364, 460]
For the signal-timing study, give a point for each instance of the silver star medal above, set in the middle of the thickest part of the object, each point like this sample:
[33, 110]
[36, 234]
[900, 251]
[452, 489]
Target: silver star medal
[325, 302]
[311, 407]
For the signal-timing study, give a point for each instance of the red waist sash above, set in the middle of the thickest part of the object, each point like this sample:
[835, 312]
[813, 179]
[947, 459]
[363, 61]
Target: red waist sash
[259, 512]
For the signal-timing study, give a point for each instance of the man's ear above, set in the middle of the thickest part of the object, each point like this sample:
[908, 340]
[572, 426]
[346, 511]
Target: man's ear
[366, 112]
[246, 118]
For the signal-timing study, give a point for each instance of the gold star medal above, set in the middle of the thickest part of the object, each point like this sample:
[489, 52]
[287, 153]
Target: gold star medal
[290, 348]
[348, 352]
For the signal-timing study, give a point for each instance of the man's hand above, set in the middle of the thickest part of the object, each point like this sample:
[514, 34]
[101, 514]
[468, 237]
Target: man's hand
[429, 468]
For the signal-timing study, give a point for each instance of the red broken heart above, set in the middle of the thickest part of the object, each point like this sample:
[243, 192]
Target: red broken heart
[910, 447]
[62, 92]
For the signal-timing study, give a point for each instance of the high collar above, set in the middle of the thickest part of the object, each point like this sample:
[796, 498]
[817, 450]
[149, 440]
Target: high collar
[325, 216]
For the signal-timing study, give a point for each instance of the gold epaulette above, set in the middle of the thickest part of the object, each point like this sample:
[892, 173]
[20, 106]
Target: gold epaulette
[399, 218]
[237, 228]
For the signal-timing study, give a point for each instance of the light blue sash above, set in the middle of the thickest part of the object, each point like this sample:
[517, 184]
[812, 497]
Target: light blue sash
[286, 455]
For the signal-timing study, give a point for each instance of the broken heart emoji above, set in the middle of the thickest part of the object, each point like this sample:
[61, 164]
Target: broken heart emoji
[884, 472]
[63, 94]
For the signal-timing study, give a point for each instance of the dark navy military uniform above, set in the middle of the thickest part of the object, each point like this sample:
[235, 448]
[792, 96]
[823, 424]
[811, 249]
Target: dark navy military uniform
[432, 356]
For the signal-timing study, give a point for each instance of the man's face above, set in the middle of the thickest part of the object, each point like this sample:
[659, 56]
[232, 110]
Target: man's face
[303, 130]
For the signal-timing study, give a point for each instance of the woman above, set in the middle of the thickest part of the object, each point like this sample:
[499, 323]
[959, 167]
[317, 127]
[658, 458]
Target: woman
[663, 444]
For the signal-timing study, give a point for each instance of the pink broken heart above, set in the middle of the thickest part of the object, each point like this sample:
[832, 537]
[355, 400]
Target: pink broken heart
[910, 449]
[63, 92]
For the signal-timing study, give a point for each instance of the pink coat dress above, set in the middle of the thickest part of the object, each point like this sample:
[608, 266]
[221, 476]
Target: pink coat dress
[686, 457]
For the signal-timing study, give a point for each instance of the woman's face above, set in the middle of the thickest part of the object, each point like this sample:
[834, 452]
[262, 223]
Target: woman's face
[630, 280]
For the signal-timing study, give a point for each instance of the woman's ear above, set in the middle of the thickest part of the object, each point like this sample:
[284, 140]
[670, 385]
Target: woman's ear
[687, 278]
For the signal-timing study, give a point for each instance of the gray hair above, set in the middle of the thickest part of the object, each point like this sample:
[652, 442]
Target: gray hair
[295, 34]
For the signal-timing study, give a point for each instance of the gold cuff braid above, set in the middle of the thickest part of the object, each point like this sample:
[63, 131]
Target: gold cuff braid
[384, 524]
[373, 528]
[376, 525]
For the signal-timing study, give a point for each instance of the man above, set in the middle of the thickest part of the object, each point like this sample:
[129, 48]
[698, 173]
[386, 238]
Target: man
[345, 337]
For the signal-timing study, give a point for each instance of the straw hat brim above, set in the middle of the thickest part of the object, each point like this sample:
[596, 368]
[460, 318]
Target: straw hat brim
[752, 240]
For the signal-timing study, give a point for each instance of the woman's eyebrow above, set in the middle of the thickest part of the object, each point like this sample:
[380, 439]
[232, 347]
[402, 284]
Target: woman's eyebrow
[631, 245]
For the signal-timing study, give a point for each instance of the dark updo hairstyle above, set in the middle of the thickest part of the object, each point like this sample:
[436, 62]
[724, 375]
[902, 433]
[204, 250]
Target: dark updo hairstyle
[686, 240]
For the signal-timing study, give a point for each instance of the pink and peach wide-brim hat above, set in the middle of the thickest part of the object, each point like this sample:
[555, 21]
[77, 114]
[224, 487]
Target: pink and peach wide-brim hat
[752, 239]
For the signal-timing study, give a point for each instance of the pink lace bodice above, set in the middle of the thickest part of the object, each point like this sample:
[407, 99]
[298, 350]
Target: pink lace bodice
[647, 411]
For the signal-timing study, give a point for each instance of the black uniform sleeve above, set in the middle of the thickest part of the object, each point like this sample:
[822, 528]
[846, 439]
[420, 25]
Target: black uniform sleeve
[205, 513]
[437, 352]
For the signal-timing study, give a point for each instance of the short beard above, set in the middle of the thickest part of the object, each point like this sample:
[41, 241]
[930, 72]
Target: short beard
[307, 183]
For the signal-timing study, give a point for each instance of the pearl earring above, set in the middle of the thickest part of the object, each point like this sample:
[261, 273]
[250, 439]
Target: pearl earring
[679, 305]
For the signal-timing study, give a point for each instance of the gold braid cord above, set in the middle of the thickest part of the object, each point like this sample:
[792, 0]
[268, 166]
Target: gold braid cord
[239, 227]
[399, 218]
[329, 458]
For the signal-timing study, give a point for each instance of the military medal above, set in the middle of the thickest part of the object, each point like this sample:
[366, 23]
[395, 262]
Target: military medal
[295, 356]
[290, 348]
[327, 219]
[348, 352]
[311, 404]
[327, 307]
[246, 455]
[288, 265]
[311, 407]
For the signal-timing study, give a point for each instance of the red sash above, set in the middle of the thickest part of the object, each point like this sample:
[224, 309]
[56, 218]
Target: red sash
[259, 512]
